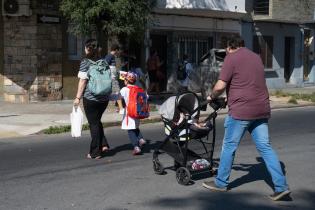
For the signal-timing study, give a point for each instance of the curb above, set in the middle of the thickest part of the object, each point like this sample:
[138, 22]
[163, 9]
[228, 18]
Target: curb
[157, 118]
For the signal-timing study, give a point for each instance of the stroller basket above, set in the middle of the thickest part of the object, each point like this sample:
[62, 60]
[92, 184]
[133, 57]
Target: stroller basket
[180, 115]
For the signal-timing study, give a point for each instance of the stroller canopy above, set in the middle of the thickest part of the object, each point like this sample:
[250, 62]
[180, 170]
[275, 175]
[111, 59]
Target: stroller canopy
[184, 103]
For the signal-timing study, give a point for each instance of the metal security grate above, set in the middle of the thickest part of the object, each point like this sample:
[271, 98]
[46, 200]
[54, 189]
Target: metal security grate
[261, 7]
[194, 47]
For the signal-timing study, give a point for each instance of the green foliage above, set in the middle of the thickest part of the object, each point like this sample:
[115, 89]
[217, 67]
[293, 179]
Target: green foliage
[280, 93]
[295, 96]
[57, 129]
[67, 128]
[292, 100]
[114, 17]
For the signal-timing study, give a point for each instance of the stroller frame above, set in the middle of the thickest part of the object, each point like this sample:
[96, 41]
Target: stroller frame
[182, 155]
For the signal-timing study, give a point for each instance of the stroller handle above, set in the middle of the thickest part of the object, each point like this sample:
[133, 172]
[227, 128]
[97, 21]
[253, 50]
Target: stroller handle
[216, 104]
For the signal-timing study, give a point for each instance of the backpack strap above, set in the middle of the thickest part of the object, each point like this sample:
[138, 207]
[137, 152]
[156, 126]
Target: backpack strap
[126, 108]
[91, 62]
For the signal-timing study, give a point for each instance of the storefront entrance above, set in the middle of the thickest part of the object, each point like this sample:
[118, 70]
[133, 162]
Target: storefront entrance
[159, 42]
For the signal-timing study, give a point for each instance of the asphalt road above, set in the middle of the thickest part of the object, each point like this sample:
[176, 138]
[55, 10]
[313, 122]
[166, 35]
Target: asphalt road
[51, 172]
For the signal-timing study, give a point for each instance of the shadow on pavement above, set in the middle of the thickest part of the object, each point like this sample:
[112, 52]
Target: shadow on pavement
[234, 201]
[255, 172]
[147, 148]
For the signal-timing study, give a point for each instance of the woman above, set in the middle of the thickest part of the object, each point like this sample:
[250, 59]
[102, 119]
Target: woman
[94, 106]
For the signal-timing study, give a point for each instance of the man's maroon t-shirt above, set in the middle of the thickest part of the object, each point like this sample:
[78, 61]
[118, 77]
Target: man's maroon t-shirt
[247, 93]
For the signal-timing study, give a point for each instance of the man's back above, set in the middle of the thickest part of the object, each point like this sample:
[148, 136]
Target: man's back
[248, 96]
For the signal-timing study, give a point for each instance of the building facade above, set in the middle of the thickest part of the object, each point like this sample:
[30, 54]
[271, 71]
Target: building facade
[282, 33]
[192, 28]
[31, 47]
[40, 59]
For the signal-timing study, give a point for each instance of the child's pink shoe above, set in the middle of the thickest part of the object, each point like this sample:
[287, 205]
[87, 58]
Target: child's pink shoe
[136, 150]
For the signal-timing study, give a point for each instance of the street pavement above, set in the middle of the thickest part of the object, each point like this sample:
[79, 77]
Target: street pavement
[18, 120]
[52, 172]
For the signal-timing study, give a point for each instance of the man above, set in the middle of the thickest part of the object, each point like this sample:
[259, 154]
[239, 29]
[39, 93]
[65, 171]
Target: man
[188, 68]
[110, 58]
[242, 76]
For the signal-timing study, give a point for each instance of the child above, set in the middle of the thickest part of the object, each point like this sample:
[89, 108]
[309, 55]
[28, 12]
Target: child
[195, 122]
[128, 123]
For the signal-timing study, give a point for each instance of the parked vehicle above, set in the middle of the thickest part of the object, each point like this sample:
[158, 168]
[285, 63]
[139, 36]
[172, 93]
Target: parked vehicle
[207, 72]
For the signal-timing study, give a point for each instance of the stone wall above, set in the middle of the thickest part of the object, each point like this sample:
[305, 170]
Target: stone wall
[32, 58]
[296, 10]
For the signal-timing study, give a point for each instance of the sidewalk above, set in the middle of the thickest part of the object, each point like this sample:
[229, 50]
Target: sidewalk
[26, 119]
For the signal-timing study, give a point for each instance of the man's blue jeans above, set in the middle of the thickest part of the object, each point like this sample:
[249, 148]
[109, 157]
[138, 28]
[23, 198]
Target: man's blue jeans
[234, 131]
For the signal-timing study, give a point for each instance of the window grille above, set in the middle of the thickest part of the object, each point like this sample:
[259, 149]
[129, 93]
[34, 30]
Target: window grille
[194, 47]
[261, 7]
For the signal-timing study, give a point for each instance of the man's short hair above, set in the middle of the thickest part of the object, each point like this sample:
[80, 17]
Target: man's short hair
[114, 47]
[235, 42]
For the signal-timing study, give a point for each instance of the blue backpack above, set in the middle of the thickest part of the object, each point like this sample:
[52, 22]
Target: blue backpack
[100, 78]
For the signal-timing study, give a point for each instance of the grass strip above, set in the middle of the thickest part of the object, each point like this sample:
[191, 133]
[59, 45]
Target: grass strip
[67, 128]
[296, 96]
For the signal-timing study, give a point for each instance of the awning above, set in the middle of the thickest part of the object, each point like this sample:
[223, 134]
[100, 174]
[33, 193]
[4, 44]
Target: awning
[200, 13]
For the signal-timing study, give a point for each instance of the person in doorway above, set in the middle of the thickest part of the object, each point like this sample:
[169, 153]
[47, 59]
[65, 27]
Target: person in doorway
[188, 68]
[94, 106]
[153, 67]
[110, 58]
[243, 78]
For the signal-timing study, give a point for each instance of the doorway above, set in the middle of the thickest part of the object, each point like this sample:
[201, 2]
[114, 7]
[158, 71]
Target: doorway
[288, 57]
[306, 59]
[159, 42]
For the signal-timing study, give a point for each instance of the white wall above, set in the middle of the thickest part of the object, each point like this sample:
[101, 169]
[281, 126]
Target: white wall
[222, 5]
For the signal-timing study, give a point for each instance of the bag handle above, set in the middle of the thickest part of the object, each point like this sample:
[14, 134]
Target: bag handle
[75, 108]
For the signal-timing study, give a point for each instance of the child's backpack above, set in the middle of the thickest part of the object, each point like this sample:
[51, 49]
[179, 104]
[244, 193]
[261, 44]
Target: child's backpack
[138, 106]
[100, 80]
[181, 71]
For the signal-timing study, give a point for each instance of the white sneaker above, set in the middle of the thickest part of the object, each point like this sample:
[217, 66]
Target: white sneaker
[142, 142]
[122, 111]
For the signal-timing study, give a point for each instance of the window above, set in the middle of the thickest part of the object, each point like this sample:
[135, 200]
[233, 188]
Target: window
[75, 47]
[263, 45]
[261, 7]
[194, 47]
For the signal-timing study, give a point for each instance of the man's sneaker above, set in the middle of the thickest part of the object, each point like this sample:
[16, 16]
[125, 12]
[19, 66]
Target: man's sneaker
[212, 186]
[142, 142]
[121, 111]
[136, 151]
[279, 195]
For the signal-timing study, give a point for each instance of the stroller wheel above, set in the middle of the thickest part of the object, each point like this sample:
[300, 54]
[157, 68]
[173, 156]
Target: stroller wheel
[158, 167]
[183, 176]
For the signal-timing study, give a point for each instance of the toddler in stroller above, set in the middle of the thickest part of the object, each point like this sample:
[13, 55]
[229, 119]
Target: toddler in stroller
[180, 115]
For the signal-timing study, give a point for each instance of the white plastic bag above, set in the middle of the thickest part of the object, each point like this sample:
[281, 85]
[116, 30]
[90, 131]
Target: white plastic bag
[76, 119]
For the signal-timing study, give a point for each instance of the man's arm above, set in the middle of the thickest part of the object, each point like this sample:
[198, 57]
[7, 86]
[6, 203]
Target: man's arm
[217, 90]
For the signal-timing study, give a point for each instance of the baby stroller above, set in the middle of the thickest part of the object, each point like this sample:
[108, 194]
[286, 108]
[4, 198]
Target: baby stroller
[181, 132]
